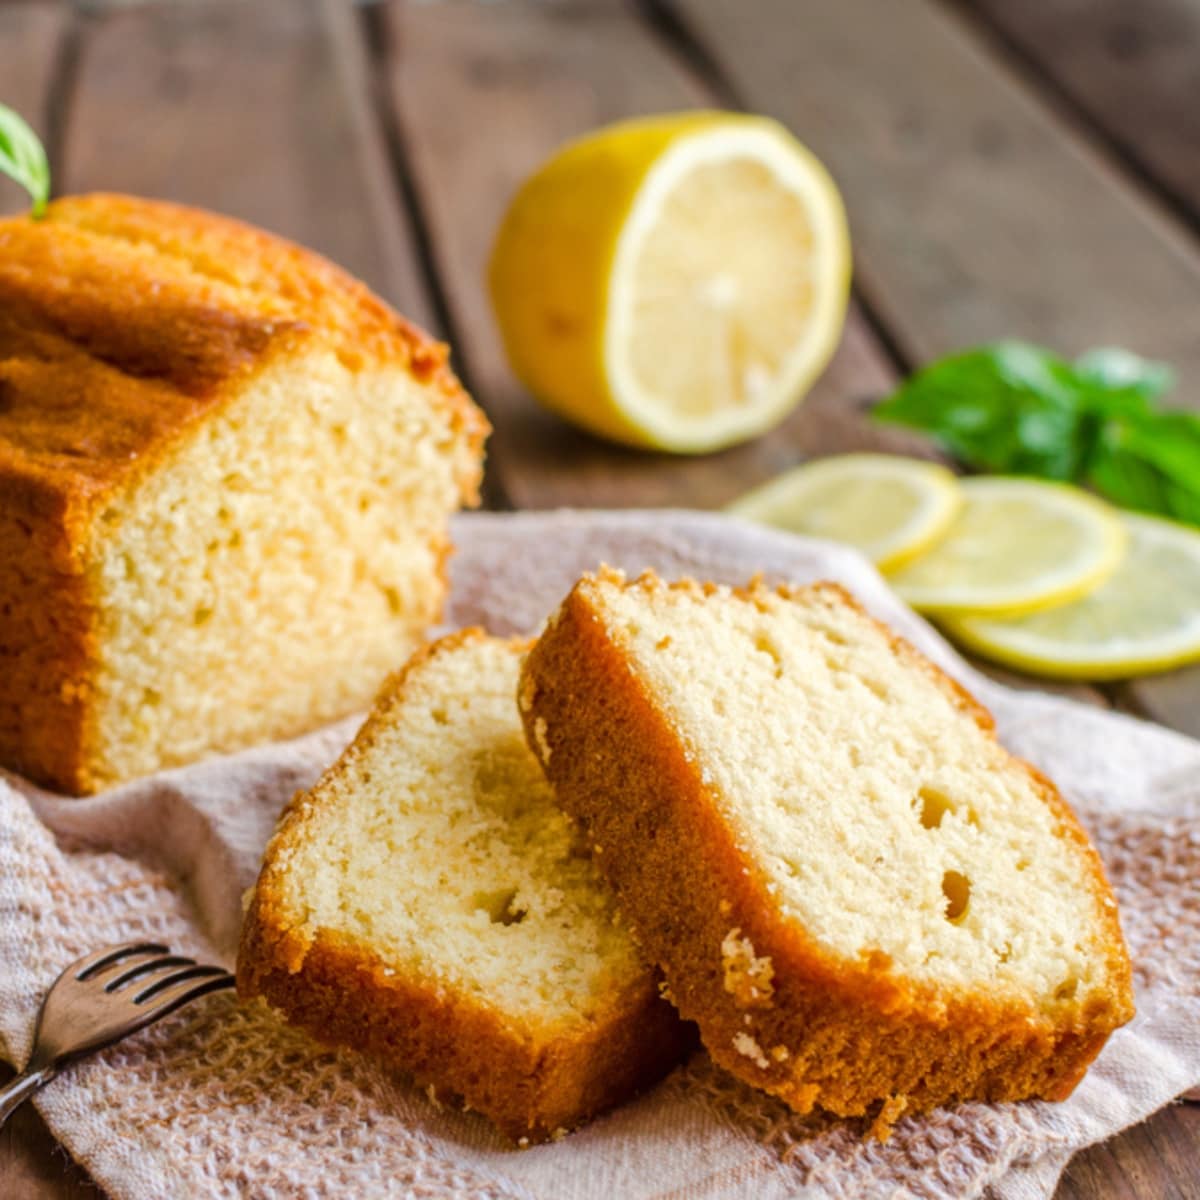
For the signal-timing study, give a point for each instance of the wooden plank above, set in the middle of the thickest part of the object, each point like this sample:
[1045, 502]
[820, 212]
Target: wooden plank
[29, 40]
[1133, 70]
[257, 110]
[1157, 1158]
[33, 1166]
[976, 214]
[541, 74]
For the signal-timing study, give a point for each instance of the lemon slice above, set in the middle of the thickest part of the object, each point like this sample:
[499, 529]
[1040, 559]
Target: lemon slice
[1144, 617]
[890, 508]
[1016, 546]
[675, 282]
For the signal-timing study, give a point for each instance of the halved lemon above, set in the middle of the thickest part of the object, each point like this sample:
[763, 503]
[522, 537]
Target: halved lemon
[676, 282]
[1016, 546]
[892, 509]
[1144, 617]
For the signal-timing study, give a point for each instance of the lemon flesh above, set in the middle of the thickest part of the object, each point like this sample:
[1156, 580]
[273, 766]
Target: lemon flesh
[676, 282]
[1017, 546]
[1144, 617]
[890, 508]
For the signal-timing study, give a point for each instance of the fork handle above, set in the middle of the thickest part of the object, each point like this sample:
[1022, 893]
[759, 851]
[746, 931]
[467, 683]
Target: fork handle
[18, 1090]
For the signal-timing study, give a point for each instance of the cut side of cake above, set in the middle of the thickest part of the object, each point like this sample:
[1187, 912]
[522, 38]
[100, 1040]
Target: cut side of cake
[862, 899]
[226, 473]
[427, 902]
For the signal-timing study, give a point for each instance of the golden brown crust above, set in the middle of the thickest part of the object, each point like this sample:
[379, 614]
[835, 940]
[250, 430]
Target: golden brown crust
[123, 321]
[124, 324]
[843, 1035]
[533, 1087]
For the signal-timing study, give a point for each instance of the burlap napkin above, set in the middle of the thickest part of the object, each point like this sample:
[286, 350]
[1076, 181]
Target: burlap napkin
[225, 1101]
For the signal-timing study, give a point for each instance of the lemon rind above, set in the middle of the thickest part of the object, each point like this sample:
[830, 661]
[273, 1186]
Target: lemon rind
[797, 167]
[1169, 652]
[1115, 540]
[904, 546]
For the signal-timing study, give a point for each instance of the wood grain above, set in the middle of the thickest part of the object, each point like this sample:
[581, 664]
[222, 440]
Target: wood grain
[29, 40]
[483, 93]
[1131, 70]
[33, 1166]
[976, 213]
[1157, 1159]
[256, 110]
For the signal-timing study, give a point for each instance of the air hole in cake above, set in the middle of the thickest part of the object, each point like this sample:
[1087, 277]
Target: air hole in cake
[934, 806]
[441, 717]
[956, 887]
[764, 645]
[663, 643]
[1023, 864]
[1066, 990]
[202, 615]
[499, 906]
[394, 602]
[364, 503]
[151, 698]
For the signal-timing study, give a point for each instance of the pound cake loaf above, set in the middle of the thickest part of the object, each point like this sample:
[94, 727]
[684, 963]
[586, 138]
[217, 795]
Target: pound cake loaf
[862, 899]
[429, 903]
[226, 470]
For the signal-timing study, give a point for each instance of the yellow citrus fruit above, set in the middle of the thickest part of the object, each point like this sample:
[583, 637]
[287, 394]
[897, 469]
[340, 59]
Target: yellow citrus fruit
[1016, 546]
[674, 282]
[891, 508]
[1144, 617]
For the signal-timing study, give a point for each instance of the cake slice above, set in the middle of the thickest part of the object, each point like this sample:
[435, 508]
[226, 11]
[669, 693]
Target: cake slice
[429, 903]
[226, 476]
[862, 899]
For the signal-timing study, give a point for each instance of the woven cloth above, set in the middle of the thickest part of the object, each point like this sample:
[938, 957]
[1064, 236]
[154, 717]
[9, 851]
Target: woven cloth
[221, 1100]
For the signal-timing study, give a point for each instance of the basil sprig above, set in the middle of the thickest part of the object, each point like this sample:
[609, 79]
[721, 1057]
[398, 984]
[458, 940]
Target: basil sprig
[1016, 409]
[22, 158]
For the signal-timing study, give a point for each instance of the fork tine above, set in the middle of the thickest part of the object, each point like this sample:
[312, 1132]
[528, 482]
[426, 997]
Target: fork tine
[93, 964]
[168, 1000]
[160, 986]
[147, 967]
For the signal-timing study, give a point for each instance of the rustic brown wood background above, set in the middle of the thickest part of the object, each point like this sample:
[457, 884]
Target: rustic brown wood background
[1012, 168]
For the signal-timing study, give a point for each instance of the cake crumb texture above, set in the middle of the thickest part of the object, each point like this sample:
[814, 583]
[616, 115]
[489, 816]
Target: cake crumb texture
[825, 848]
[427, 901]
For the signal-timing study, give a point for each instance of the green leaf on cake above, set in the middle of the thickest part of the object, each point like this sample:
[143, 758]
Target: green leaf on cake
[23, 158]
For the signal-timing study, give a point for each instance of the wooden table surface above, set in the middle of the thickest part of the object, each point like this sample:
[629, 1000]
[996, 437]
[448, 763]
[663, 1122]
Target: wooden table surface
[1011, 167]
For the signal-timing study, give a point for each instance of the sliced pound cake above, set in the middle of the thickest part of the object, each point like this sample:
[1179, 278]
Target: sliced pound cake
[865, 902]
[428, 902]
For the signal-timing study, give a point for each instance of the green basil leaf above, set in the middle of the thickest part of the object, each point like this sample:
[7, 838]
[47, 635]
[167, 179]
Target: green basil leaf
[22, 158]
[1150, 462]
[1010, 407]
[1114, 370]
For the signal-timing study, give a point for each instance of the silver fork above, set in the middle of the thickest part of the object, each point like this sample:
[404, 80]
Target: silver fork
[102, 998]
